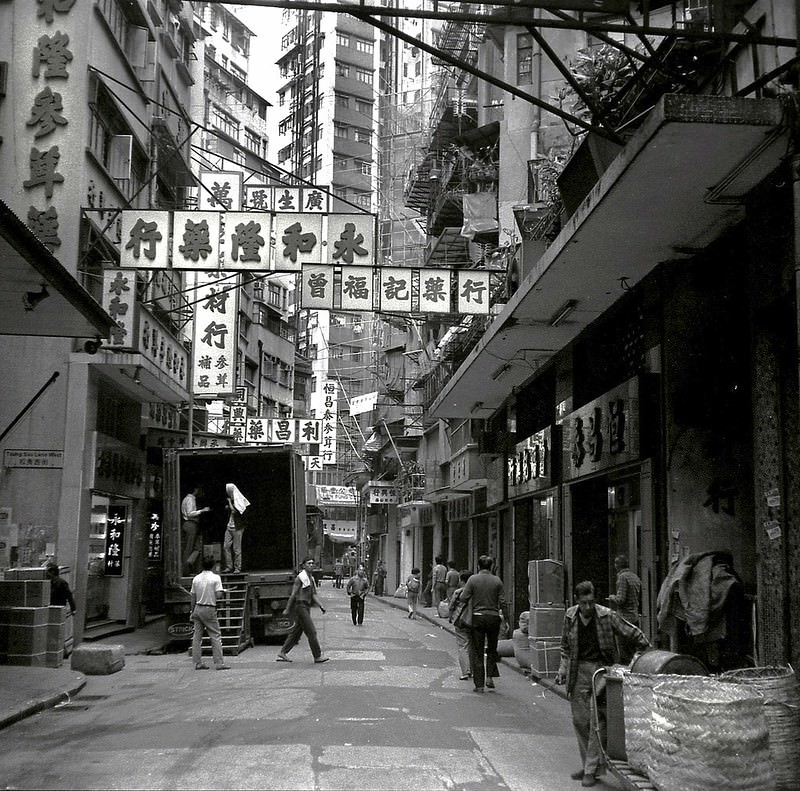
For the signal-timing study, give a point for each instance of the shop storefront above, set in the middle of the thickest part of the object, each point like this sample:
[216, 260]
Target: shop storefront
[535, 508]
[607, 496]
[117, 553]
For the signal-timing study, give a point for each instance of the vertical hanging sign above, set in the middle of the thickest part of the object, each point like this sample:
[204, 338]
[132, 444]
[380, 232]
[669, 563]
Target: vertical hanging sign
[214, 345]
[327, 448]
[119, 300]
[115, 539]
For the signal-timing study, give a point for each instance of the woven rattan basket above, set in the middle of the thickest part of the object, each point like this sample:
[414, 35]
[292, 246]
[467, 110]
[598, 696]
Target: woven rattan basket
[781, 692]
[637, 694]
[709, 735]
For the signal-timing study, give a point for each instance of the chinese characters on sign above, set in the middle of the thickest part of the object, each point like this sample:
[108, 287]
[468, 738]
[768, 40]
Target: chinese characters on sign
[154, 537]
[50, 64]
[119, 300]
[214, 346]
[395, 290]
[281, 241]
[528, 469]
[286, 431]
[115, 539]
[602, 433]
[237, 415]
[330, 407]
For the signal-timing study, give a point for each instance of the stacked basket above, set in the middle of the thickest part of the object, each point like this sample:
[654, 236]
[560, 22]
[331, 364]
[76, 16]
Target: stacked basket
[708, 735]
[781, 692]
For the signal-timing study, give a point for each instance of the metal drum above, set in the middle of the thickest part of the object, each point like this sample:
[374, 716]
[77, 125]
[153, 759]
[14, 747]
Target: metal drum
[655, 662]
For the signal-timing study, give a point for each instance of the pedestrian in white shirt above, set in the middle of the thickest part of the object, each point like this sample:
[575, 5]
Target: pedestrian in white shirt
[205, 594]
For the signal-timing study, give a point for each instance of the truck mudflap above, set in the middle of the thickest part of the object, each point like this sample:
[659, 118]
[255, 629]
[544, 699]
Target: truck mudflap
[271, 625]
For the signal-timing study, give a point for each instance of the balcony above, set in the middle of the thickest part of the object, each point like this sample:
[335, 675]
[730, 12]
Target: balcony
[468, 469]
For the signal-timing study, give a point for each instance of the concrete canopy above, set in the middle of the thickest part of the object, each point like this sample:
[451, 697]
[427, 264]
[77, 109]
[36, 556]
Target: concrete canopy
[676, 186]
[26, 265]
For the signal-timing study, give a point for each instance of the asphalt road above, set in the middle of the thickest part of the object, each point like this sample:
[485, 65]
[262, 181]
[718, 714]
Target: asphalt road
[387, 712]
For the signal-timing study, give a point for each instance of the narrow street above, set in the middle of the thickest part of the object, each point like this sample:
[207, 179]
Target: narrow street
[387, 712]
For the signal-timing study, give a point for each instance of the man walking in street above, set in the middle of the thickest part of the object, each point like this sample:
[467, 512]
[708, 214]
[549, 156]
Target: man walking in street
[205, 593]
[487, 599]
[357, 587]
[379, 579]
[629, 589]
[304, 595]
[588, 642]
[438, 584]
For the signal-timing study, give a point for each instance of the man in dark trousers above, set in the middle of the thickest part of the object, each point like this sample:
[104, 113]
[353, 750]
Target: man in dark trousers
[487, 600]
[357, 587]
[304, 595]
[588, 642]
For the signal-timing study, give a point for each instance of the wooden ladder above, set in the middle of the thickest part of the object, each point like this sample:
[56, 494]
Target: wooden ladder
[235, 628]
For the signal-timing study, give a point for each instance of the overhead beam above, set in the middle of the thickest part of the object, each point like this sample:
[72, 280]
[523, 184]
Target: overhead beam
[517, 14]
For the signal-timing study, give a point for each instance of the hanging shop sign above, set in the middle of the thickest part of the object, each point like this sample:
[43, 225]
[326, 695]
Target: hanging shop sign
[459, 508]
[529, 468]
[329, 419]
[237, 415]
[602, 433]
[115, 540]
[279, 241]
[285, 431]
[154, 536]
[118, 467]
[381, 493]
[214, 346]
[395, 289]
[337, 495]
[220, 189]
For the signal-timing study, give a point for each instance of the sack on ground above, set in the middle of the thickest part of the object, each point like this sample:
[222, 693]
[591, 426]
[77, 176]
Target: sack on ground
[401, 591]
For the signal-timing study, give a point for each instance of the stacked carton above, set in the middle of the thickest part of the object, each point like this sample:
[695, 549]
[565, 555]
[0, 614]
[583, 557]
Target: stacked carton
[31, 630]
[546, 594]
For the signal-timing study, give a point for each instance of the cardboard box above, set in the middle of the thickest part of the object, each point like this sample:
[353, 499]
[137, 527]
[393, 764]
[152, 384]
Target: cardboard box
[32, 573]
[545, 657]
[546, 623]
[24, 616]
[25, 593]
[545, 582]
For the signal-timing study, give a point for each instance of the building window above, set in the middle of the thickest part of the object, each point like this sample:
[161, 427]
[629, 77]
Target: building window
[342, 69]
[281, 98]
[363, 136]
[318, 164]
[342, 100]
[340, 163]
[524, 58]
[365, 108]
[342, 39]
[364, 75]
[224, 122]
[366, 168]
[364, 46]
[340, 131]
[363, 199]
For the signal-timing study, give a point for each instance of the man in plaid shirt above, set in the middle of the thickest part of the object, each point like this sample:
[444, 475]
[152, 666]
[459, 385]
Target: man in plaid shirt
[588, 642]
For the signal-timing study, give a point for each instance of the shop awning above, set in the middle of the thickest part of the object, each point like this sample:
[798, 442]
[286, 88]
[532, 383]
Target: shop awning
[674, 188]
[39, 296]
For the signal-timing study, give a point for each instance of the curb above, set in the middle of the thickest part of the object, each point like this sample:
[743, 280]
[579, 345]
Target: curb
[29, 708]
[444, 624]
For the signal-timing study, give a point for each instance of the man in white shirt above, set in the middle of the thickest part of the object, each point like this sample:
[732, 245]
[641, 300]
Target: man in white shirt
[206, 591]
